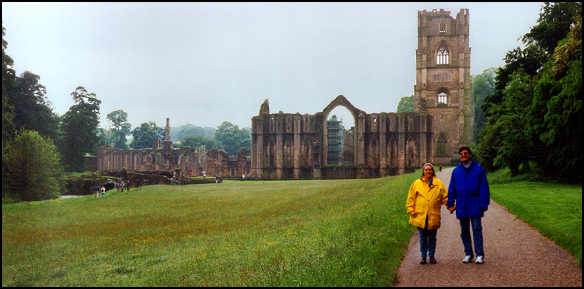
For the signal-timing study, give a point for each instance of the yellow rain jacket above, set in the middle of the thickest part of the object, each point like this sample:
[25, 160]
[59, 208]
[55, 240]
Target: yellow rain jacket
[425, 201]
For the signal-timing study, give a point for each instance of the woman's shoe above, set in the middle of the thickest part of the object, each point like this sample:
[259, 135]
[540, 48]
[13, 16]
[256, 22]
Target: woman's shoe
[423, 261]
[432, 260]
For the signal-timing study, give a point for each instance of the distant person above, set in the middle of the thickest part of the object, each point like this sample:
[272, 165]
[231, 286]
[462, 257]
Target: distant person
[102, 191]
[128, 186]
[122, 186]
[96, 190]
[440, 167]
[243, 176]
[117, 186]
[469, 195]
[427, 194]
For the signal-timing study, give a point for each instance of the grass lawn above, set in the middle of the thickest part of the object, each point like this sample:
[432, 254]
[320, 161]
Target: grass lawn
[553, 209]
[252, 233]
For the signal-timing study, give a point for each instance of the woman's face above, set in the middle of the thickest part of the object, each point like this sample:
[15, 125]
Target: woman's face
[427, 171]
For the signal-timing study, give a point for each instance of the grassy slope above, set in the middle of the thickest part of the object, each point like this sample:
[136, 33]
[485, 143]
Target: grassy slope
[253, 233]
[553, 209]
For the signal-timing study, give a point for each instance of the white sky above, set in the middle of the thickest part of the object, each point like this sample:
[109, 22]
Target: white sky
[204, 63]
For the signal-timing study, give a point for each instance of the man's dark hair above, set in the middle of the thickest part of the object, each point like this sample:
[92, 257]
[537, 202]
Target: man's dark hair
[464, 148]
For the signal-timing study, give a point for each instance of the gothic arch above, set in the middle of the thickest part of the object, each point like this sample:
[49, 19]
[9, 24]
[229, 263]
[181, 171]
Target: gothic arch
[443, 53]
[340, 100]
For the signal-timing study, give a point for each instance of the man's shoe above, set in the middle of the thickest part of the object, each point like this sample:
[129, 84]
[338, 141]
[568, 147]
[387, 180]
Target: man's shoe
[423, 261]
[432, 260]
[466, 259]
[479, 260]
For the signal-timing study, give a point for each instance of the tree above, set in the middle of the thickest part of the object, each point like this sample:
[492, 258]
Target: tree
[231, 138]
[104, 137]
[535, 114]
[31, 106]
[553, 24]
[32, 168]
[406, 104]
[120, 128]
[189, 130]
[146, 134]
[556, 110]
[80, 128]
[197, 140]
[483, 85]
[8, 86]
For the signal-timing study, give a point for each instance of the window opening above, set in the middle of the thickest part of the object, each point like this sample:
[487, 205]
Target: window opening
[442, 98]
[442, 56]
[442, 27]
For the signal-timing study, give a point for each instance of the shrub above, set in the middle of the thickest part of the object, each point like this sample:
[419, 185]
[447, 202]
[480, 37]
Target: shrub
[30, 167]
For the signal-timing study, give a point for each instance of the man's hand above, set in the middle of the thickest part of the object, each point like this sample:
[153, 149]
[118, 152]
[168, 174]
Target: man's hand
[452, 209]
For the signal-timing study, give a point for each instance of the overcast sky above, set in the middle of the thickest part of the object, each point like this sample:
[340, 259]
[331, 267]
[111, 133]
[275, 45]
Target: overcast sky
[204, 63]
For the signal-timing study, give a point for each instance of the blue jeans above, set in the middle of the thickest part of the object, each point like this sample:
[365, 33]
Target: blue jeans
[477, 235]
[427, 242]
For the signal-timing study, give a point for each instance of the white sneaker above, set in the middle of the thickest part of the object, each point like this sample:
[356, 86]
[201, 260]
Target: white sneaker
[479, 260]
[466, 259]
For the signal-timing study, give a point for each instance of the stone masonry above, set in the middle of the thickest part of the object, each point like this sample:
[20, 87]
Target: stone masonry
[443, 80]
[293, 146]
[163, 157]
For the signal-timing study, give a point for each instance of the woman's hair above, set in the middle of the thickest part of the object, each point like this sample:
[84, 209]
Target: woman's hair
[432, 166]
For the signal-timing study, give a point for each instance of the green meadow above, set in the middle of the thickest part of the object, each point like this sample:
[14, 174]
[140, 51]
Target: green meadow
[236, 233]
[554, 209]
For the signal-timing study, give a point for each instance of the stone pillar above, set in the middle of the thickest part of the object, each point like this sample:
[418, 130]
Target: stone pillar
[360, 136]
[279, 154]
[382, 130]
[422, 131]
[297, 144]
[401, 143]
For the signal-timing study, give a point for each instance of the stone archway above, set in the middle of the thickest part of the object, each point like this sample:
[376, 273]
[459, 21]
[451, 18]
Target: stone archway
[340, 100]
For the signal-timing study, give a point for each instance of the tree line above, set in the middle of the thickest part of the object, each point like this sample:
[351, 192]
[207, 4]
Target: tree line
[39, 146]
[533, 119]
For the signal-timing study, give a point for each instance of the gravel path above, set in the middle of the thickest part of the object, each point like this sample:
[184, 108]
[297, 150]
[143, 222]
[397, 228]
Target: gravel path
[515, 255]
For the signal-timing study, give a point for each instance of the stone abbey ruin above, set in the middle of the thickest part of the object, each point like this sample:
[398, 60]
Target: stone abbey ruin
[176, 163]
[295, 146]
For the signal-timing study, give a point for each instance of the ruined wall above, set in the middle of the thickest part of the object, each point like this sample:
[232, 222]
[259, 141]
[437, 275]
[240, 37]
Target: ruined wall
[293, 146]
[164, 157]
[183, 159]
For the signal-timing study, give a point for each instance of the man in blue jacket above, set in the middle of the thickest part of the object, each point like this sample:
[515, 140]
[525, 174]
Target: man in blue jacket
[468, 194]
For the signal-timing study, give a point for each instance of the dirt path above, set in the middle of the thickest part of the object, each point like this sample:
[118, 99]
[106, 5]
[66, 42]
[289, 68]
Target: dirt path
[515, 255]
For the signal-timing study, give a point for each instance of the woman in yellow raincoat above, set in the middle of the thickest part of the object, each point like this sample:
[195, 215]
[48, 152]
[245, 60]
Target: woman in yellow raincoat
[427, 194]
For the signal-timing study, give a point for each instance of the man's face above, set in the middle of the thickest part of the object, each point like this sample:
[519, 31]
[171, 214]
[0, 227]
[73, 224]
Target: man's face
[464, 156]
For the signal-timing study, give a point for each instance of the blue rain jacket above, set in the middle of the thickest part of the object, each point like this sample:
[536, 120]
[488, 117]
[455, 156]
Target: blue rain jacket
[470, 190]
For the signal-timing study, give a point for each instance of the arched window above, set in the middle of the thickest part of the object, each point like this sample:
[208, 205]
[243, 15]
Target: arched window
[442, 98]
[442, 56]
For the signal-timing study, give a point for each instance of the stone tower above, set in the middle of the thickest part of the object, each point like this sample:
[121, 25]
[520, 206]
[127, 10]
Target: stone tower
[443, 81]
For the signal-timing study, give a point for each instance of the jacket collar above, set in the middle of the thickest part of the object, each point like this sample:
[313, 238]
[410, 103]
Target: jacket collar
[472, 164]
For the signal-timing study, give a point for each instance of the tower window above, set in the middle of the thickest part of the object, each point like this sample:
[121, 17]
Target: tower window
[442, 56]
[442, 98]
[442, 27]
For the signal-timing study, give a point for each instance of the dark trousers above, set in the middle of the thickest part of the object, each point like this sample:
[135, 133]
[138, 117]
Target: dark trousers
[427, 242]
[477, 235]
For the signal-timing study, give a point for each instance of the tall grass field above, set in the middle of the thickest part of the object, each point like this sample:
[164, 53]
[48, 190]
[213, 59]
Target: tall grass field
[236, 233]
[555, 210]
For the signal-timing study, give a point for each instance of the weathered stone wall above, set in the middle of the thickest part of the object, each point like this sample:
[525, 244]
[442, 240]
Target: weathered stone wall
[163, 157]
[293, 146]
[183, 159]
